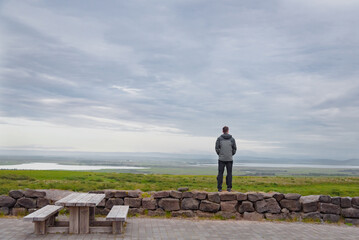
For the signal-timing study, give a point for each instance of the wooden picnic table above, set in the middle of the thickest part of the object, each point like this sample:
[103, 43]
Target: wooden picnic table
[81, 207]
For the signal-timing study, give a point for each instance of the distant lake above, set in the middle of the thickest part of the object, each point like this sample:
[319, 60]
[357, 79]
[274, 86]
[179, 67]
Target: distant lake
[56, 166]
[280, 165]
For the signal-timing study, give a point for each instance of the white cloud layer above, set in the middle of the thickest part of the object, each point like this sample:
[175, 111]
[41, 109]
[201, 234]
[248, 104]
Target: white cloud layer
[282, 74]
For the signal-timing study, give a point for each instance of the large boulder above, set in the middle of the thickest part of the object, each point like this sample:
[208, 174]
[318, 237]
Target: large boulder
[325, 199]
[350, 213]
[331, 218]
[336, 200]
[268, 195]
[4, 210]
[134, 193]
[16, 194]
[253, 197]
[246, 206]
[149, 203]
[109, 193]
[136, 211]
[133, 202]
[19, 211]
[278, 196]
[353, 221]
[292, 196]
[329, 208]
[229, 206]
[269, 205]
[189, 204]
[312, 216]
[252, 216]
[169, 204]
[157, 212]
[113, 201]
[207, 206]
[346, 202]
[355, 201]
[101, 211]
[228, 215]
[187, 195]
[176, 194]
[6, 201]
[27, 202]
[42, 202]
[294, 216]
[161, 194]
[214, 197]
[30, 193]
[228, 196]
[202, 214]
[120, 194]
[200, 195]
[309, 203]
[292, 205]
[183, 213]
[241, 196]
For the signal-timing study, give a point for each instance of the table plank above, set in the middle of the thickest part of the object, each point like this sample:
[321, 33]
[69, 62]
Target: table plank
[83, 202]
[76, 199]
[97, 198]
[64, 200]
[92, 200]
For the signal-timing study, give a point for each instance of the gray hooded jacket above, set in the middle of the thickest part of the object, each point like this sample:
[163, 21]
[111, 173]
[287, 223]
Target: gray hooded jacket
[226, 147]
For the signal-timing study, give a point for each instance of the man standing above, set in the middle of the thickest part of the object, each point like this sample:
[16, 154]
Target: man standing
[225, 148]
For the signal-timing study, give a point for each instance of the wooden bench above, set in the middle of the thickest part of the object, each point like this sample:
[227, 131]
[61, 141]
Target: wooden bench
[117, 216]
[43, 218]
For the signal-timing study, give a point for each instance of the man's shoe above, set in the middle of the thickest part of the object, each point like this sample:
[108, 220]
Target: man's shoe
[219, 190]
[228, 189]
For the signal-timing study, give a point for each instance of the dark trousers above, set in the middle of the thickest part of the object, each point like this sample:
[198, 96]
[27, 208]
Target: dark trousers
[221, 165]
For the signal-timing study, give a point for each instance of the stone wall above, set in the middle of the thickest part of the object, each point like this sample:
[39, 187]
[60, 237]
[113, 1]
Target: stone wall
[224, 205]
[21, 202]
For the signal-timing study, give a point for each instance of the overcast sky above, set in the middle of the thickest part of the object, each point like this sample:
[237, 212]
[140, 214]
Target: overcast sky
[166, 76]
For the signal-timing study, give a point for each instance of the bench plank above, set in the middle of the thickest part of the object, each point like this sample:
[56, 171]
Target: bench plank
[43, 213]
[117, 213]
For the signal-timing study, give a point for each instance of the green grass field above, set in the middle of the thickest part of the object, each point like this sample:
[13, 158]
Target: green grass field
[86, 181]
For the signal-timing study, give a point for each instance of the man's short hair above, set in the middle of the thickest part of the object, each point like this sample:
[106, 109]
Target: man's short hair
[225, 129]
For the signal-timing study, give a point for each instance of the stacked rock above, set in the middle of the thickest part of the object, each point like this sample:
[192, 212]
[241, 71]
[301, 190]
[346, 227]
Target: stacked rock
[20, 202]
[227, 205]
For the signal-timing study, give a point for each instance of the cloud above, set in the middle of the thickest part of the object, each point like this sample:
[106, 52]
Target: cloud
[18, 134]
[131, 91]
[282, 74]
[81, 33]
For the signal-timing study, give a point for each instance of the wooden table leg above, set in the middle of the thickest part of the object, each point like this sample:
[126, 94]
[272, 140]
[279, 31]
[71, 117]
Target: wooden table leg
[74, 220]
[84, 220]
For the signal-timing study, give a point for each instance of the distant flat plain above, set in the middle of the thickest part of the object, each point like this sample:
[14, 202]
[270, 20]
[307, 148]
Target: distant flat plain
[164, 174]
